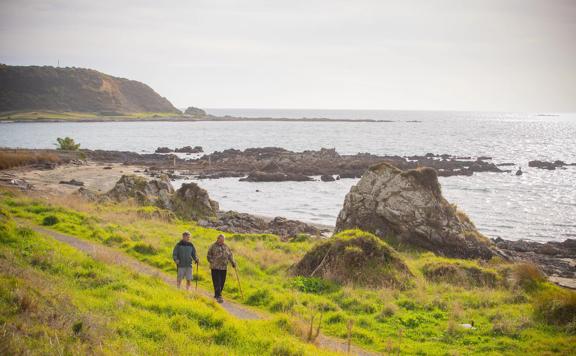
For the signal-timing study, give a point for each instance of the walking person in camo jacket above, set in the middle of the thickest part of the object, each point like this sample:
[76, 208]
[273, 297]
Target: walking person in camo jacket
[219, 254]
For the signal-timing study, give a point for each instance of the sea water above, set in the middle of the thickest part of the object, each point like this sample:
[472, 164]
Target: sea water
[539, 205]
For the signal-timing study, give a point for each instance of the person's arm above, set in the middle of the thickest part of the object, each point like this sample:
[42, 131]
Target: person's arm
[175, 254]
[194, 257]
[231, 257]
[210, 253]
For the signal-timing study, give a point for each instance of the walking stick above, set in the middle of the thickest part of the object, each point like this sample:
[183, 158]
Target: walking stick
[239, 286]
[197, 275]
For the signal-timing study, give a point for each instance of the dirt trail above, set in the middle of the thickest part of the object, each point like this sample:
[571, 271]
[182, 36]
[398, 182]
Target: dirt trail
[109, 255]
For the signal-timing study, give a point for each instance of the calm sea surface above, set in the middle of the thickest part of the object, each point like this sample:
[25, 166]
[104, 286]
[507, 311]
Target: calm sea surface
[539, 205]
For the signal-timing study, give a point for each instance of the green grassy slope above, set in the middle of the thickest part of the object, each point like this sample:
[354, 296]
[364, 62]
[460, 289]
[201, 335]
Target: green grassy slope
[56, 300]
[513, 310]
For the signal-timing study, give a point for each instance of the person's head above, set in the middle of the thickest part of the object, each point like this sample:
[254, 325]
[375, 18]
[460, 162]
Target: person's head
[220, 239]
[186, 236]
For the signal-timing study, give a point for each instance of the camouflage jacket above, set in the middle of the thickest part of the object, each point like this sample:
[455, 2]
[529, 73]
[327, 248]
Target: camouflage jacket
[219, 255]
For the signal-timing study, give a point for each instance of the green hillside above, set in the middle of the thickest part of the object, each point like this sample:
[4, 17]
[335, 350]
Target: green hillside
[47, 92]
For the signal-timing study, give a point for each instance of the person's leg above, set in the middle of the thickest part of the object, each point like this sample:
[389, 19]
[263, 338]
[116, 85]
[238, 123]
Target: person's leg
[215, 282]
[223, 279]
[188, 277]
[178, 277]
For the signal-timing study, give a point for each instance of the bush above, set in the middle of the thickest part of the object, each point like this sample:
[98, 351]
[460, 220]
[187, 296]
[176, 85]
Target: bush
[460, 274]
[527, 276]
[311, 285]
[556, 306]
[67, 144]
[50, 220]
[145, 249]
[260, 297]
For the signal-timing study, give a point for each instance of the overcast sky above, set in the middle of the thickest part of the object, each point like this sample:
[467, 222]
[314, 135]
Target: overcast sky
[492, 55]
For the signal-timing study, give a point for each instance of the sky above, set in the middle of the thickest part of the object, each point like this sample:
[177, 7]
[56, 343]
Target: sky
[473, 55]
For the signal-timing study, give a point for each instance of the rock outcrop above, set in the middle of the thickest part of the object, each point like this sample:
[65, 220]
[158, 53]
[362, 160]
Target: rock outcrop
[556, 259]
[358, 258]
[146, 192]
[189, 149]
[549, 165]
[193, 202]
[232, 221]
[195, 112]
[407, 207]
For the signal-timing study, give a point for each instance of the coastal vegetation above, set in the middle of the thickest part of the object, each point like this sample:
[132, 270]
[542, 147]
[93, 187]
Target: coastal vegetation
[67, 144]
[448, 306]
[17, 158]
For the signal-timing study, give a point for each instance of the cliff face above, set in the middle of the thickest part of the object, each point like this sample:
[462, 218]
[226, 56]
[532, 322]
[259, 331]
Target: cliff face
[75, 89]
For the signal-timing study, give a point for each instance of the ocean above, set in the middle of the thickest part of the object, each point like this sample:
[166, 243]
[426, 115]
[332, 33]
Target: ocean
[539, 205]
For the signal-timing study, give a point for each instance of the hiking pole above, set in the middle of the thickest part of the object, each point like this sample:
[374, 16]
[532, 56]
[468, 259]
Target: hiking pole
[238, 279]
[197, 275]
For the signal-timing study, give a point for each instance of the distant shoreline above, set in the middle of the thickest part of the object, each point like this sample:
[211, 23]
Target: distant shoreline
[190, 119]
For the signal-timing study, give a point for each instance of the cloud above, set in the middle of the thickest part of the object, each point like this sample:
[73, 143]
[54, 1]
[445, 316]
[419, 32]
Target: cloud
[452, 55]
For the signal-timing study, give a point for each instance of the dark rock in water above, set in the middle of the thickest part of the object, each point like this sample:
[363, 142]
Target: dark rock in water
[357, 258]
[505, 164]
[189, 149]
[259, 176]
[350, 175]
[163, 150]
[154, 192]
[220, 175]
[72, 182]
[193, 202]
[484, 158]
[547, 165]
[409, 206]
[327, 178]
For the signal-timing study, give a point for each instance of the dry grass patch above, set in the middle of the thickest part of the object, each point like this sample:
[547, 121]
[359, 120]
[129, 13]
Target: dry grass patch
[11, 159]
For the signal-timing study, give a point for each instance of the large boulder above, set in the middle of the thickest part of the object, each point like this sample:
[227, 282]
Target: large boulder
[193, 202]
[407, 207]
[355, 257]
[146, 192]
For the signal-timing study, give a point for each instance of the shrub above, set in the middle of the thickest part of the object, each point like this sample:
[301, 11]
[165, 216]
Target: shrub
[527, 276]
[311, 285]
[461, 274]
[145, 249]
[50, 220]
[556, 306]
[260, 297]
[67, 144]
[285, 348]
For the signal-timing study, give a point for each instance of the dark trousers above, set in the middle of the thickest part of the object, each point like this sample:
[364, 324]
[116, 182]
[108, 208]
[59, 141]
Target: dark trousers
[218, 280]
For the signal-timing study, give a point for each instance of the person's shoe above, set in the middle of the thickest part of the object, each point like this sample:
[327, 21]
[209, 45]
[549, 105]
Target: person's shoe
[220, 300]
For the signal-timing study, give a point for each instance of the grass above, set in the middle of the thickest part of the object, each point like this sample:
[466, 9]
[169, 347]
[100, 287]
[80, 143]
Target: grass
[56, 300]
[424, 318]
[81, 116]
[11, 159]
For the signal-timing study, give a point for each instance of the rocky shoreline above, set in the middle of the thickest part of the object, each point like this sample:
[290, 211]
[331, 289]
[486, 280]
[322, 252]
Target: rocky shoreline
[556, 259]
